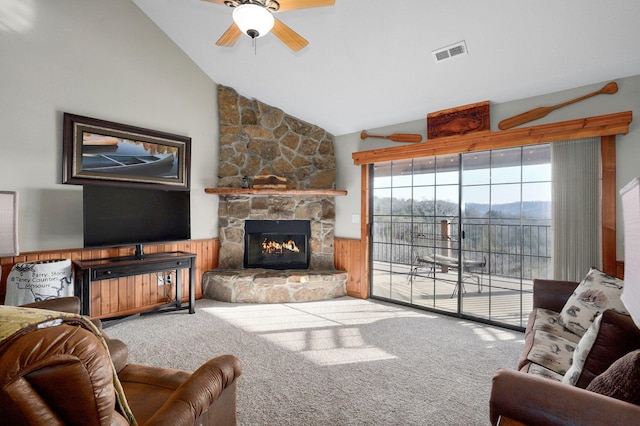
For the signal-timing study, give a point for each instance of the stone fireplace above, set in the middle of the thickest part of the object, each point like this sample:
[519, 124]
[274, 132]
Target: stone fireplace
[235, 210]
[260, 140]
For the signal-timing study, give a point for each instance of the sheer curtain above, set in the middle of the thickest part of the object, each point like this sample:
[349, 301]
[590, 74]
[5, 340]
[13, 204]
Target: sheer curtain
[576, 212]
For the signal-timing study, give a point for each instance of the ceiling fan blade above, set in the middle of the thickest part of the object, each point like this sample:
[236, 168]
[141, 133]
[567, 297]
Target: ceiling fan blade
[301, 4]
[230, 36]
[222, 2]
[289, 37]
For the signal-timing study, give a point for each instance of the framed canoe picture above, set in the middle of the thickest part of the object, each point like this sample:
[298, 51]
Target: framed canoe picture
[102, 152]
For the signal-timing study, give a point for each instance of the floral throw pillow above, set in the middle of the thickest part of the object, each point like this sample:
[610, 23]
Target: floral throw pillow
[595, 293]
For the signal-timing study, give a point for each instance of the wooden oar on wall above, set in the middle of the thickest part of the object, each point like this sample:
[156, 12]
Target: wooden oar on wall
[396, 137]
[540, 112]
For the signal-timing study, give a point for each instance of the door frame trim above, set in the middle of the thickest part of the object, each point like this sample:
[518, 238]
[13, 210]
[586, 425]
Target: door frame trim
[607, 127]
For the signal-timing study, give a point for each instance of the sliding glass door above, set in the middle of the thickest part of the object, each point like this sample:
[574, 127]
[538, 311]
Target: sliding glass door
[463, 234]
[506, 222]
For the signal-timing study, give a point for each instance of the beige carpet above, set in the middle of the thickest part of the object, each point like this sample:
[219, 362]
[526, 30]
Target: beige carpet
[339, 362]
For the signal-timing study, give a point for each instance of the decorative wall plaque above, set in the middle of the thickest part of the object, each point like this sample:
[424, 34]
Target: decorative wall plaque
[459, 120]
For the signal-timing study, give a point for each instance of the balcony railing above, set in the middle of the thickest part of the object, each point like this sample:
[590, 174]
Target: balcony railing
[521, 251]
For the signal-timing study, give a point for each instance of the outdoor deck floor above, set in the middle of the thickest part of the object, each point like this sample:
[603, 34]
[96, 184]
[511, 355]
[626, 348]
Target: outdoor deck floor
[500, 299]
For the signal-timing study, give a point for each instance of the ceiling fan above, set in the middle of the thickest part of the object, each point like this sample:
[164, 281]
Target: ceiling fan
[255, 19]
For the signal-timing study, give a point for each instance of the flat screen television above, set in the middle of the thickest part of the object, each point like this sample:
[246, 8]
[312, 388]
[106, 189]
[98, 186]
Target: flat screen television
[120, 216]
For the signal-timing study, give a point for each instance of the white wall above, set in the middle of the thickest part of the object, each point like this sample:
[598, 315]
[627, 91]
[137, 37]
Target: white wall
[627, 146]
[101, 59]
[106, 59]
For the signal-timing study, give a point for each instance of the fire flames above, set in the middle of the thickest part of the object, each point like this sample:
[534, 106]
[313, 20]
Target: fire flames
[275, 247]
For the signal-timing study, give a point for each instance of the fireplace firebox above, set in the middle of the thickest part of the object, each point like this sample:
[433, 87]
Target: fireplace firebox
[277, 244]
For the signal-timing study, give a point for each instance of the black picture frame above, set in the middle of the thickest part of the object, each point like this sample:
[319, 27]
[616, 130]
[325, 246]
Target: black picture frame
[101, 152]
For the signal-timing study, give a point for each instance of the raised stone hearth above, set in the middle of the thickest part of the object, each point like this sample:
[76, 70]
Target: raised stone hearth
[271, 286]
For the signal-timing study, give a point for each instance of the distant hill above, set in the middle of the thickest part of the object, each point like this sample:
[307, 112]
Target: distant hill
[530, 209]
[533, 209]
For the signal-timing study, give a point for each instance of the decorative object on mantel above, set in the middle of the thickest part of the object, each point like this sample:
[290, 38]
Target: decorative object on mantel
[255, 19]
[459, 120]
[396, 137]
[269, 182]
[537, 113]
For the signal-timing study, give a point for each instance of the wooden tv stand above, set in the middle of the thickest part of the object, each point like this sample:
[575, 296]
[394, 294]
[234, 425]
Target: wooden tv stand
[87, 271]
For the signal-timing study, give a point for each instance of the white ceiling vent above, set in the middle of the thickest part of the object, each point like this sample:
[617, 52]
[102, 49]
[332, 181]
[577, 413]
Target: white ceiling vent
[449, 52]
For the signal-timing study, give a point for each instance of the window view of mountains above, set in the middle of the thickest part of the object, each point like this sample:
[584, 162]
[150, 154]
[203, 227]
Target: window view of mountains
[525, 209]
[516, 236]
[403, 207]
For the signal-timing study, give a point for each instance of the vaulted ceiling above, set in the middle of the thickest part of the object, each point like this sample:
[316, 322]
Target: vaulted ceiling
[369, 63]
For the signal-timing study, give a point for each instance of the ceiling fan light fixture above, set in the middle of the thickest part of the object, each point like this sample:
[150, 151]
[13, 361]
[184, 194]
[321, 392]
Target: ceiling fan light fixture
[253, 20]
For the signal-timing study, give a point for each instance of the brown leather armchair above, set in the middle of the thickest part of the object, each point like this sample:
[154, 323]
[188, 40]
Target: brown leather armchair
[63, 375]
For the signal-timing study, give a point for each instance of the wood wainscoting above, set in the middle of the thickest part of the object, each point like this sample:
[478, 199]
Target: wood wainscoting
[127, 295]
[349, 256]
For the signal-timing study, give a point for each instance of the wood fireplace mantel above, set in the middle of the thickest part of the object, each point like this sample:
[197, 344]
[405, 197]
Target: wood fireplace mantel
[291, 192]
